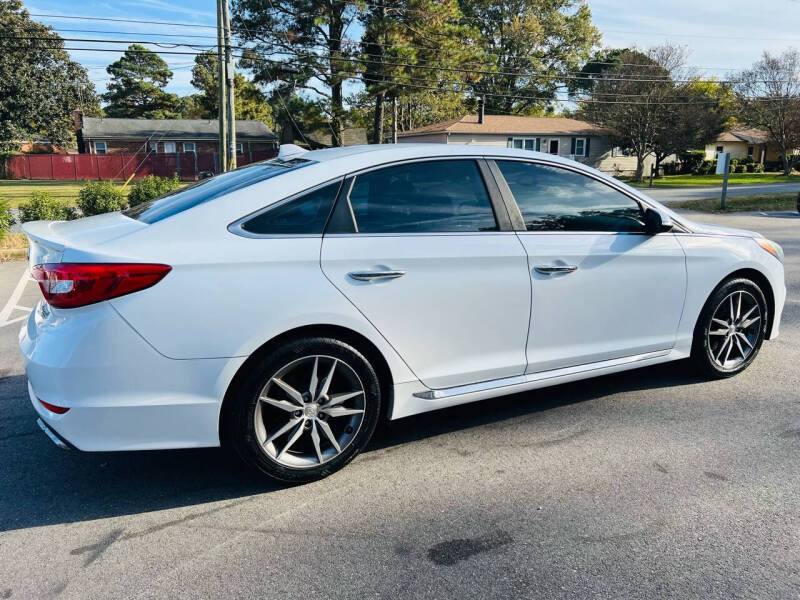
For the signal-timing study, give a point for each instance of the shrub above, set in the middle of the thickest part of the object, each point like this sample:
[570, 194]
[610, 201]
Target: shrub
[740, 168]
[97, 197]
[151, 187]
[708, 167]
[6, 217]
[758, 168]
[691, 161]
[42, 207]
[671, 168]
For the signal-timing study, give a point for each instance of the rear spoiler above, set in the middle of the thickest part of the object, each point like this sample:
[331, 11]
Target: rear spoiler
[42, 232]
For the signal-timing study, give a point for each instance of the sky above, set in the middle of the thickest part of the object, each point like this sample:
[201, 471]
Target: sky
[721, 36]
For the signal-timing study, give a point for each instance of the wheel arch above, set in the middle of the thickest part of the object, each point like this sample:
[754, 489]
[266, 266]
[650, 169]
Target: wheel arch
[355, 339]
[757, 277]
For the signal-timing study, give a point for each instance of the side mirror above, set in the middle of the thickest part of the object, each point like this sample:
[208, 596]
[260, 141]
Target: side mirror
[655, 223]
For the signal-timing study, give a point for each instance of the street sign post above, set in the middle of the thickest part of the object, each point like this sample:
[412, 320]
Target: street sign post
[723, 166]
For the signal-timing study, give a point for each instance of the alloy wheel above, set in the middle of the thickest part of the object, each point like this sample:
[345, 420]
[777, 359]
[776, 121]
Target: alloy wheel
[309, 411]
[735, 330]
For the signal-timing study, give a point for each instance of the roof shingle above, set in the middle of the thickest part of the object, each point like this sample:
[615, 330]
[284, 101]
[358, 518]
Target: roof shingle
[170, 128]
[511, 124]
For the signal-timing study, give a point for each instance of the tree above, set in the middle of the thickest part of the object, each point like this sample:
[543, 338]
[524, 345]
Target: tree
[769, 94]
[628, 99]
[137, 87]
[531, 45]
[299, 44]
[694, 113]
[250, 103]
[601, 61]
[39, 85]
[411, 45]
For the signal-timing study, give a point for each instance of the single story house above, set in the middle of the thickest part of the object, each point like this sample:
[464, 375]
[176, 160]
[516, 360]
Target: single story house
[581, 141]
[166, 136]
[744, 143]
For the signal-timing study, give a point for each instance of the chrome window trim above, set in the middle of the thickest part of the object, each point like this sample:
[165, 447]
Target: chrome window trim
[237, 228]
[641, 202]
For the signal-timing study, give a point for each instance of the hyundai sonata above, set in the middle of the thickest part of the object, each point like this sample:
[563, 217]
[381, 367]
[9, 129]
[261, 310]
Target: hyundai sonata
[285, 308]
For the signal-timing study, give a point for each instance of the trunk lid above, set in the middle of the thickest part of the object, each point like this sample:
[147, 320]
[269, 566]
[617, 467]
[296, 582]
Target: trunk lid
[48, 240]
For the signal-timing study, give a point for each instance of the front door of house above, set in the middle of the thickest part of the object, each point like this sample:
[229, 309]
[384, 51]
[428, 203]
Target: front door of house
[553, 147]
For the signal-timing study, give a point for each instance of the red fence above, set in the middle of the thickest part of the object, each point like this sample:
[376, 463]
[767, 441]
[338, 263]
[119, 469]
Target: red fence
[187, 165]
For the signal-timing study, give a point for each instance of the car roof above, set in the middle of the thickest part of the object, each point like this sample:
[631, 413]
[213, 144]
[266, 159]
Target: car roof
[379, 153]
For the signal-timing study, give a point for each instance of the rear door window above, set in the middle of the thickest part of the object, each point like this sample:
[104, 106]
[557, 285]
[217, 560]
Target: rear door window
[423, 197]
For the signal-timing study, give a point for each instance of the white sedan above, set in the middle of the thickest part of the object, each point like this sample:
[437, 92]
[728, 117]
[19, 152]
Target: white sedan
[283, 309]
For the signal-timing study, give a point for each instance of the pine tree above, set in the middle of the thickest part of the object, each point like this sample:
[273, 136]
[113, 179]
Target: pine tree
[137, 86]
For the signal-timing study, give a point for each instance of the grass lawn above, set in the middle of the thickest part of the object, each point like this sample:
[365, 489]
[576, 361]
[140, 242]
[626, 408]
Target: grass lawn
[20, 190]
[673, 181]
[766, 202]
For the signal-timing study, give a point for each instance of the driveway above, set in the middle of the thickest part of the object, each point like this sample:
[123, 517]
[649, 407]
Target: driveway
[647, 484]
[667, 195]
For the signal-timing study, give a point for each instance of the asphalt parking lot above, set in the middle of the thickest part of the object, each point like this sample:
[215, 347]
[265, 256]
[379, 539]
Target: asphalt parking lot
[646, 484]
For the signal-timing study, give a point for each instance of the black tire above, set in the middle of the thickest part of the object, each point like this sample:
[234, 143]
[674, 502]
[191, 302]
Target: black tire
[703, 352]
[240, 423]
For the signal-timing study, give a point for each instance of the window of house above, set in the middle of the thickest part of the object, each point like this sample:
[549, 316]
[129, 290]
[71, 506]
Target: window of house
[524, 143]
[154, 147]
[100, 148]
[717, 151]
[423, 197]
[239, 148]
[555, 199]
[580, 147]
[169, 147]
[189, 147]
[750, 151]
[306, 214]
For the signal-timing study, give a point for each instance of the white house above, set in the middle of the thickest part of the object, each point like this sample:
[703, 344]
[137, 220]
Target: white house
[581, 141]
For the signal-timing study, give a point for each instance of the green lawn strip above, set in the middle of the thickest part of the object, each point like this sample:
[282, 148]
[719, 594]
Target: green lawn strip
[17, 191]
[765, 202]
[677, 181]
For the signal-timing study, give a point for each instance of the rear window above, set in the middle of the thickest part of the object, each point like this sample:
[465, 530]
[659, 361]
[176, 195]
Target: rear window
[214, 187]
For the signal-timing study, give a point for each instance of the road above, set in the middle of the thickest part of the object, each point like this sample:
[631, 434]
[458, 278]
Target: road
[667, 195]
[647, 484]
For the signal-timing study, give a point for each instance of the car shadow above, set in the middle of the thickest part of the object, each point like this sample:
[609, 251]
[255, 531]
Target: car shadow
[43, 485]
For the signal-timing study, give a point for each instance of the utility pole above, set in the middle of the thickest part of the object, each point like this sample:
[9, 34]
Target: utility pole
[394, 119]
[222, 96]
[229, 71]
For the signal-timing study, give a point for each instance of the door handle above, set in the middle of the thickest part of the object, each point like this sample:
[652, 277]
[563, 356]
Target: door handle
[373, 275]
[550, 269]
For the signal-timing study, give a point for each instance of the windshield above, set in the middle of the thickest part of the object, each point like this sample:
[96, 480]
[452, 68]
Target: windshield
[214, 187]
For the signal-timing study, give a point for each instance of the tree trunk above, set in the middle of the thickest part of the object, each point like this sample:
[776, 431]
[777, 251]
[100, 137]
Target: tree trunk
[659, 158]
[639, 168]
[787, 165]
[377, 127]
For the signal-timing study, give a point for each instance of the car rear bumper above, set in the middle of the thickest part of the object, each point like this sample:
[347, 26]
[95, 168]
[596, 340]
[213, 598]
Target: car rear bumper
[121, 393]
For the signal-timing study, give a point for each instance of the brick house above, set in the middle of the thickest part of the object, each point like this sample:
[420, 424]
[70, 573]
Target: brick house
[581, 141]
[167, 136]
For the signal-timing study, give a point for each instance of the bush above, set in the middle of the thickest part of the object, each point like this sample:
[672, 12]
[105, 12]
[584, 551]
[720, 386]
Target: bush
[758, 168]
[708, 167]
[671, 168]
[691, 161]
[740, 168]
[151, 187]
[42, 207]
[97, 197]
[6, 217]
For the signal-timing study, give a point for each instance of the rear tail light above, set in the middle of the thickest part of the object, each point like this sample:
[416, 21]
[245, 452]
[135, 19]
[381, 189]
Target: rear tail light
[69, 285]
[59, 410]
